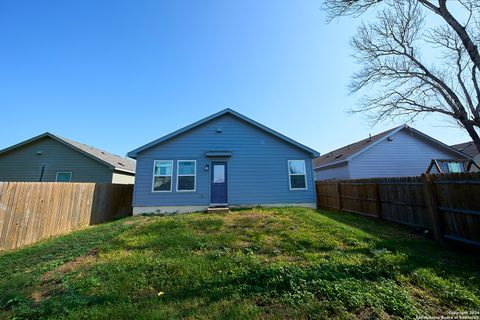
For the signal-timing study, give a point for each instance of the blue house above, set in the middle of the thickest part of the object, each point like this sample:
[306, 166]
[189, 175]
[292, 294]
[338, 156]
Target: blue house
[223, 160]
[398, 152]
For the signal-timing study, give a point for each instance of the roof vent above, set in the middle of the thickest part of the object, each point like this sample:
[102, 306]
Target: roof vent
[338, 156]
[219, 130]
[121, 164]
[39, 152]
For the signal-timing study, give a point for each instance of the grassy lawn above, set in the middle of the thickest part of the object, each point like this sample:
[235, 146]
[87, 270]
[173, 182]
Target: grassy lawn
[247, 264]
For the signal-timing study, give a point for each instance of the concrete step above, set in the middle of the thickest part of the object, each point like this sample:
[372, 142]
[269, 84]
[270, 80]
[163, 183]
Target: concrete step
[218, 209]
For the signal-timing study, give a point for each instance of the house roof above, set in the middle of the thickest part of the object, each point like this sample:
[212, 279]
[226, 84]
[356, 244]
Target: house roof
[350, 151]
[113, 161]
[468, 148]
[134, 153]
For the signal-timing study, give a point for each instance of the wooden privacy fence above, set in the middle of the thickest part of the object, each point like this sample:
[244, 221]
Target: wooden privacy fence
[31, 211]
[446, 204]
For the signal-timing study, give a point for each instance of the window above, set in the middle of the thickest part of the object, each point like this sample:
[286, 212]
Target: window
[63, 177]
[454, 167]
[186, 171]
[218, 173]
[297, 174]
[162, 175]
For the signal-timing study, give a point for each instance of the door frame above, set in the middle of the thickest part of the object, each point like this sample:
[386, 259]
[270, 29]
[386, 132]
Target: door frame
[212, 163]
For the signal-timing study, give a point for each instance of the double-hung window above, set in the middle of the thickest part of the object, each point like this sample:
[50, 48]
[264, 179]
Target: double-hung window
[186, 175]
[162, 175]
[297, 175]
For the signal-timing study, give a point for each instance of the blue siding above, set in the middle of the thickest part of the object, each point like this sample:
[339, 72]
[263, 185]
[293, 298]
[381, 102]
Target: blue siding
[257, 169]
[339, 172]
[405, 155]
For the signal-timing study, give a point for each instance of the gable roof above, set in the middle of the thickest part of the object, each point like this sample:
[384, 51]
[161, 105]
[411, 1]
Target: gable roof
[111, 160]
[468, 148]
[350, 151]
[344, 153]
[134, 153]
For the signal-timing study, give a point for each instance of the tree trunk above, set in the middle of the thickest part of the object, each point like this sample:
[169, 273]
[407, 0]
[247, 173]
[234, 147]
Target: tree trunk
[474, 135]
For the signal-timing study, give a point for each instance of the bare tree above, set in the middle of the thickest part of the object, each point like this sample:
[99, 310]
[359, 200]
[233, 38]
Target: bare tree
[400, 82]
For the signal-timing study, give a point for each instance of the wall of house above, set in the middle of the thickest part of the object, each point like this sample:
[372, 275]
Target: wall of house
[405, 155]
[23, 163]
[339, 172]
[257, 170]
[122, 178]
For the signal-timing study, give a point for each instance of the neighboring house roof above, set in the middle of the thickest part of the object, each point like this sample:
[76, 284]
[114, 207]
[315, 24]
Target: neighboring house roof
[134, 153]
[350, 151]
[468, 148]
[104, 157]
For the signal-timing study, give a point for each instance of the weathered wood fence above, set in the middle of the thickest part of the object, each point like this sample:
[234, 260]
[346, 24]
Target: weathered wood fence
[446, 204]
[32, 211]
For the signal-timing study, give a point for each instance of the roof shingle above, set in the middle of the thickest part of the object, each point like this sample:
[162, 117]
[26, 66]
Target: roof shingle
[468, 148]
[344, 153]
[119, 162]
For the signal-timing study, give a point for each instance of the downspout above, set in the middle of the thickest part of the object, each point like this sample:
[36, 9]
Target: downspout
[41, 174]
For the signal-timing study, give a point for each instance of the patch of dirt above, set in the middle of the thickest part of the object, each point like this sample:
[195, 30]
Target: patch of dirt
[130, 222]
[368, 313]
[248, 217]
[429, 304]
[242, 244]
[285, 258]
[252, 220]
[51, 280]
[45, 292]
[86, 259]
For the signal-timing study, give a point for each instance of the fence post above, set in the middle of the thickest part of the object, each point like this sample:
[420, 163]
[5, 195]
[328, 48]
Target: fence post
[379, 202]
[339, 192]
[432, 207]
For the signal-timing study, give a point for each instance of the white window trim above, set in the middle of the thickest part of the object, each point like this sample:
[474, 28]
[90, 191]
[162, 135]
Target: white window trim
[289, 174]
[187, 175]
[69, 172]
[153, 176]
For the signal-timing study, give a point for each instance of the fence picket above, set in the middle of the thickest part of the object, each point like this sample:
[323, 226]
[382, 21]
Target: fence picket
[447, 204]
[32, 211]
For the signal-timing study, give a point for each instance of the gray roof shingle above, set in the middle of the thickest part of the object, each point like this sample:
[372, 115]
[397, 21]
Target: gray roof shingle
[344, 153]
[468, 148]
[118, 162]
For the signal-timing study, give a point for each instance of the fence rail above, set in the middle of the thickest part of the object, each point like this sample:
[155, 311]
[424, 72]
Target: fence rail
[32, 211]
[446, 204]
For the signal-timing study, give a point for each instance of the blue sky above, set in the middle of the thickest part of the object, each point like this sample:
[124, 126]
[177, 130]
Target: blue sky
[117, 74]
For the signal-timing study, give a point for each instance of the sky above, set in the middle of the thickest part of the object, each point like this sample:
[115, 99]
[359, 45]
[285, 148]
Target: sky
[117, 74]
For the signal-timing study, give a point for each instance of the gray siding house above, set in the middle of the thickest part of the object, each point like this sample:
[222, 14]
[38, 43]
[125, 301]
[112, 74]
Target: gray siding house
[223, 160]
[48, 158]
[401, 151]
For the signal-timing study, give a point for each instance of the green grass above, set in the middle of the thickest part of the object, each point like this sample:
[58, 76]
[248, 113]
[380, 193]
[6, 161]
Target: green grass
[248, 264]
